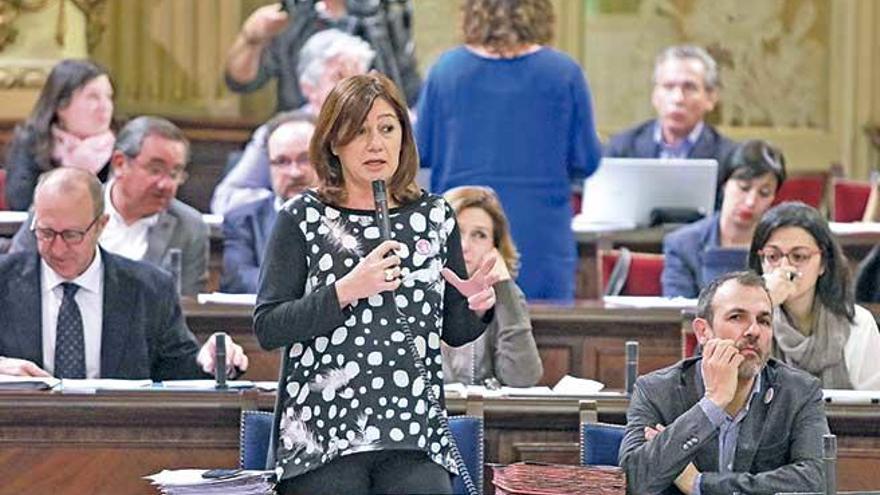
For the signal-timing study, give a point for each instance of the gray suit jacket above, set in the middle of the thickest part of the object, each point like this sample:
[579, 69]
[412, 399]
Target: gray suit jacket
[779, 448]
[180, 226]
[143, 333]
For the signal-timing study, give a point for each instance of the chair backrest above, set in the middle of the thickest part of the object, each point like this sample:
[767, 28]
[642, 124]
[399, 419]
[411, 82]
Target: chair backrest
[849, 199]
[599, 442]
[467, 431]
[468, 434]
[641, 276]
[809, 188]
[253, 445]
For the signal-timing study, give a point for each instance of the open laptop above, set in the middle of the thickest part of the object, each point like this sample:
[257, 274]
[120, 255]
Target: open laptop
[623, 191]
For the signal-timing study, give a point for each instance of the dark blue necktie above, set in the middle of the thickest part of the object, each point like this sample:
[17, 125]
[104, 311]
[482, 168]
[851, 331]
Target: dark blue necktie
[70, 347]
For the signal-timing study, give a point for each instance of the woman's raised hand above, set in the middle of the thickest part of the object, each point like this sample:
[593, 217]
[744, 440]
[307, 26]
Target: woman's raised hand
[477, 289]
[781, 283]
[375, 273]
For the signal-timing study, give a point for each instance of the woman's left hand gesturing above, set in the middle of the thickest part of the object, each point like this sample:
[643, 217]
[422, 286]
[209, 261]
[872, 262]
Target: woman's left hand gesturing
[477, 289]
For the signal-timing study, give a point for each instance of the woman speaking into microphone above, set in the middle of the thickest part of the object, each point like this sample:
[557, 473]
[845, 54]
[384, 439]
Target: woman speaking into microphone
[361, 403]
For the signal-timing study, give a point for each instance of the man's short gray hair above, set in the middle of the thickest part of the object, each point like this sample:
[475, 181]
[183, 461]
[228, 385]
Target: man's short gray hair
[711, 79]
[131, 138]
[323, 46]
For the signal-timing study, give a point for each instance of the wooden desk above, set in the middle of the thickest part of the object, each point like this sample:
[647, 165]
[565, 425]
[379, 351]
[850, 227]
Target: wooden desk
[59, 444]
[585, 339]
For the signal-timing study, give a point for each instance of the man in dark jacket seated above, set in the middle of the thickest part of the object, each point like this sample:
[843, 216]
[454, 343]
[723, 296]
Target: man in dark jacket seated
[72, 310]
[732, 420]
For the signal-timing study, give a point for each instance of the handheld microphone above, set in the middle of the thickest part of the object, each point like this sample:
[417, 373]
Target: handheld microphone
[380, 198]
[632, 365]
[220, 360]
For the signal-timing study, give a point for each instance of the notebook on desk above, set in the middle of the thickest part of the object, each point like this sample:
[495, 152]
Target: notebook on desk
[624, 191]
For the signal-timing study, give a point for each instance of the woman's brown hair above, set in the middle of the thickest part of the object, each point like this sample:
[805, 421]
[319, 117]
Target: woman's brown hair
[342, 115]
[503, 26]
[484, 198]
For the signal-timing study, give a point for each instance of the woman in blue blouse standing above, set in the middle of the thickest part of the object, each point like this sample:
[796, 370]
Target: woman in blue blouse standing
[507, 112]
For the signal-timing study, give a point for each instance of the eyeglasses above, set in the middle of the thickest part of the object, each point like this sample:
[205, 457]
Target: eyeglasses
[688, 88]
[796, 257]
[70, 237]
[284, 161]
[157, 171]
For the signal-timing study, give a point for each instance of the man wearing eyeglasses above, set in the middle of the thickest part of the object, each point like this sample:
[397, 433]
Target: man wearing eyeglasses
[73, 310]
[246, 228]
[146, 222]
[686, 89]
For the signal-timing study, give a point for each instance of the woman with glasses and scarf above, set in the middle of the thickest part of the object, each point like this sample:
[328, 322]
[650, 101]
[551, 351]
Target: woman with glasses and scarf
[816, 325]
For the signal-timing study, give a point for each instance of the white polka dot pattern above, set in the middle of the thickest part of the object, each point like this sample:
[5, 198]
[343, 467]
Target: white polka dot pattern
[357, 387]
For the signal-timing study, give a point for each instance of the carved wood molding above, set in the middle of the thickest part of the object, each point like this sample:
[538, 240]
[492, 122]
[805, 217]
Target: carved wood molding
[23, 77]
[10, 10]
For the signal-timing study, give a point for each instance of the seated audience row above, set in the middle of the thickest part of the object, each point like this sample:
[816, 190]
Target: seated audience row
[74, 310]
[697, 253]
[146, 221]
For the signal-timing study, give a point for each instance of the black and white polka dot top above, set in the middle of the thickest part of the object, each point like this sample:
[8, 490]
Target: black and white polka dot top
[352, 383]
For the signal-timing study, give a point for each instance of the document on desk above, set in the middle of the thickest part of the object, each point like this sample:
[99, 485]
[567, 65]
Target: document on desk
[192, 482]
[8, 382]
[837, 396]
[843, 228]
[226, 298]
[649, 302]
[197, 385]
[92, 385]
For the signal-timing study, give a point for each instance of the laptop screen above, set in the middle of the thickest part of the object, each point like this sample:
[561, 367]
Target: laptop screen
[624, 191]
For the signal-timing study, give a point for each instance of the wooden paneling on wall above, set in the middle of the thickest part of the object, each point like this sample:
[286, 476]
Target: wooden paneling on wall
[167, 56]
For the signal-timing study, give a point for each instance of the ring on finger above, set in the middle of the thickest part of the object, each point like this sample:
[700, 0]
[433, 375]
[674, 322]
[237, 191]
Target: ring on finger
[389, 274]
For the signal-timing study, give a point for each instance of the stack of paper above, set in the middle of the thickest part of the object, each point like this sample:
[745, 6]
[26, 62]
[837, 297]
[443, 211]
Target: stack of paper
[226, 298]
[8, 382]
[191, 482]
[649, 302]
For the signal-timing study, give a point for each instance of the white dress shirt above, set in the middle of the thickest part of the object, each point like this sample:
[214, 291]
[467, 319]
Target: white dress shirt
[119, 238]
[89, 298]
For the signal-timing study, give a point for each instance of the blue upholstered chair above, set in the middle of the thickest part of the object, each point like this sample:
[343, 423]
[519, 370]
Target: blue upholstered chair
[256, 428]
[599, 442]
[468, 434]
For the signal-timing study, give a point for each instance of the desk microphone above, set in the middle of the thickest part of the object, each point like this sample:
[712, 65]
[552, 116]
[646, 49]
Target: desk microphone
[632, 365]
[380, 198]
[220, 360]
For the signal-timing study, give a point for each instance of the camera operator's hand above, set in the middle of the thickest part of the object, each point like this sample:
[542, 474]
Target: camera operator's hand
[264, 24]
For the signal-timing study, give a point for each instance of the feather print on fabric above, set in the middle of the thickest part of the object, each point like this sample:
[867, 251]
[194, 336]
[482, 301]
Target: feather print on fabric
[338, 237]
[366, 437]
[330, 381]
[296, 436]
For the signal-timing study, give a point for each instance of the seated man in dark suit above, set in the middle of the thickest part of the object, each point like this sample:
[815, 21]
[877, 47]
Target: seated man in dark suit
[246, 228]
[146, 222]
[686, 86]
[733, 420]
[72, 310]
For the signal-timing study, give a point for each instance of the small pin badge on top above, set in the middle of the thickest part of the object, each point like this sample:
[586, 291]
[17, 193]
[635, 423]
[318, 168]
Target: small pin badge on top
[423, 247]
[768, 396]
